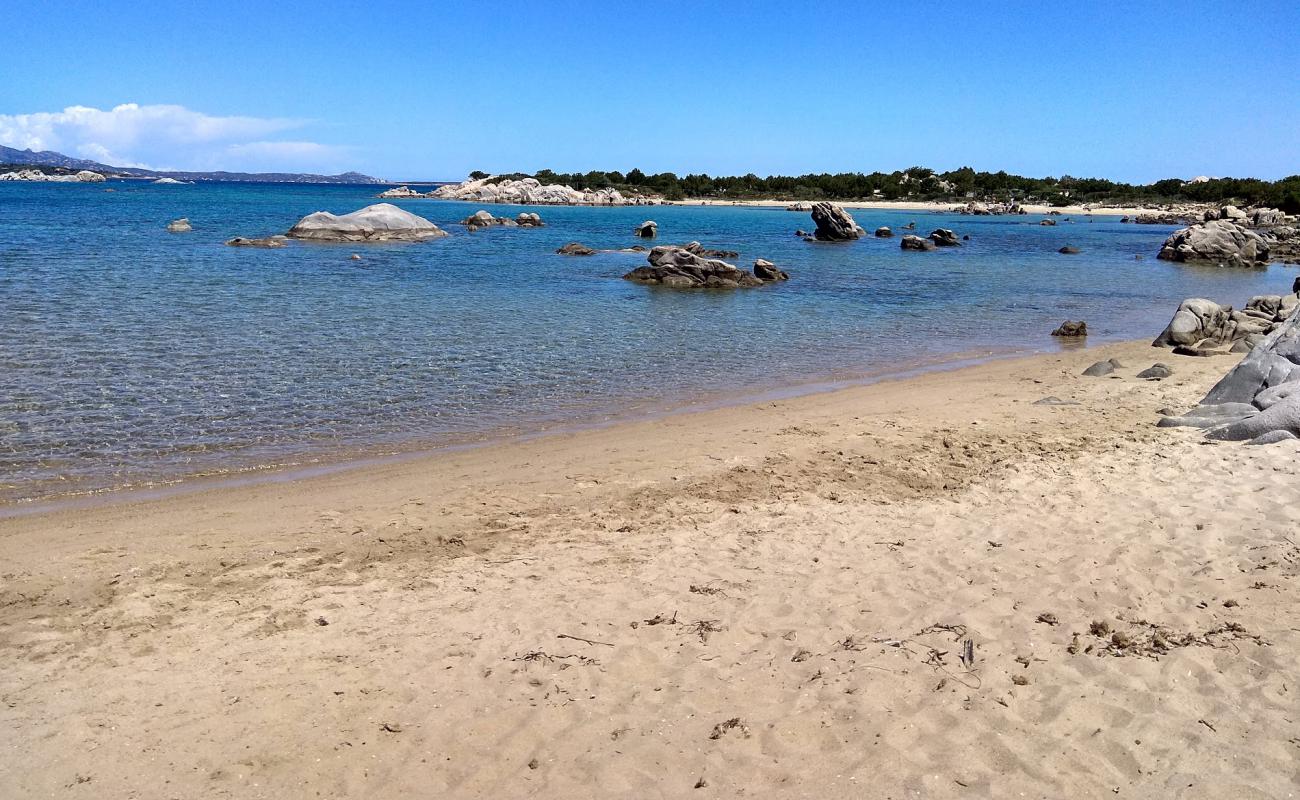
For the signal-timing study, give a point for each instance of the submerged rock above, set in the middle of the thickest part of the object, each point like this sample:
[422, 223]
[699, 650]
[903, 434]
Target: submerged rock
[1069, 251]
[382, 222]
[834, 224]
[1072, 329]
[181, 225]
[269, 241]
[944, 238]
[576, 249]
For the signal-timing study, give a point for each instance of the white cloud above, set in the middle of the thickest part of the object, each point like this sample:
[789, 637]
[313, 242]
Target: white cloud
[169, 137]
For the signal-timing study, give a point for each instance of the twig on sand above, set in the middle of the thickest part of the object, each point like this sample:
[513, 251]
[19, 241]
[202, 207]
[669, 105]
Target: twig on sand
[1208, 725]
[580, 639]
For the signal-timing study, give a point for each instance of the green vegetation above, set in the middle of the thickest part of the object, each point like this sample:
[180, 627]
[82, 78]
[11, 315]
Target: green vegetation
[921, 183]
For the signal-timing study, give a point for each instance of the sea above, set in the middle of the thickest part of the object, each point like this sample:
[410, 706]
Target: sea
[133, 357]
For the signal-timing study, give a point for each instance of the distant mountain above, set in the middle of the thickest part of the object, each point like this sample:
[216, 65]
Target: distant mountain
[10, 156]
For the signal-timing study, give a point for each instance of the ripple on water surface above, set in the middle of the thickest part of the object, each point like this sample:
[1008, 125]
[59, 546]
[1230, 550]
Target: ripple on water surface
[131, 355]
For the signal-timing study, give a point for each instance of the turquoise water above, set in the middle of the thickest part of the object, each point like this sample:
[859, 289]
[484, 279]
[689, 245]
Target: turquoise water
[130, 356]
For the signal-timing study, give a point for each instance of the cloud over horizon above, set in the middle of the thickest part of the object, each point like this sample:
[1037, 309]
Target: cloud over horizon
[171, 137]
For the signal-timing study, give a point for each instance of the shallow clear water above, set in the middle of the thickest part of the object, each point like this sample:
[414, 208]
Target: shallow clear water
[129, 355]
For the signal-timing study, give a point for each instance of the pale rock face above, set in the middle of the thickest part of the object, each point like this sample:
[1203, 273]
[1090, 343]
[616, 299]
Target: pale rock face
[400, 192]
[181, 225]
[382, 222]
[529, 191]
[1219, 240]
[169, 182]
[84, 176]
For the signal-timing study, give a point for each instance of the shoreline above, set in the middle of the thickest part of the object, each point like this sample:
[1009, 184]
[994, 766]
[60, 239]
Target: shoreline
[739, 591]
[938, 207]
[360, 457]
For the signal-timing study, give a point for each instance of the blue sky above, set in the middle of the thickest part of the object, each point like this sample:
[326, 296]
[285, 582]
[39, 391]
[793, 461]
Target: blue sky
[407, 90]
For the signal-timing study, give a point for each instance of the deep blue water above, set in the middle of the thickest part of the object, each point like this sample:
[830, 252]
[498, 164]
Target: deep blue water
[130, 355]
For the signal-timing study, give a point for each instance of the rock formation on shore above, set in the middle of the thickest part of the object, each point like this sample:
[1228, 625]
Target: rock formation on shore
[1259, 399]
[1201, 325]
[83, 176]
[683, 268]
[530, 191]
[1222, 241]
[834, 224]
[382, 222]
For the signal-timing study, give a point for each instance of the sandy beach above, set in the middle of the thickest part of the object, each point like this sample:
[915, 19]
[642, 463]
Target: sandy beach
[929, 207]
[931, 587]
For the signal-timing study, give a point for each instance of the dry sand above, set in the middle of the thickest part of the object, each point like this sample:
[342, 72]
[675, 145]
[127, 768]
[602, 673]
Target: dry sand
[764, 601]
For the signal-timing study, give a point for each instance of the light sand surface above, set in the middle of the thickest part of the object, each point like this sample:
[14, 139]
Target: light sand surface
[929, 207]
[762, 601]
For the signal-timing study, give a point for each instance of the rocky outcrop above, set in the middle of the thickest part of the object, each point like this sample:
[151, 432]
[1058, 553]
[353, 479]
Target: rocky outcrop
[681, 268]
[766, 271]
[181, 225]
[576, 249]
[1259, 399]
[1262, 217]
[977, 208]
[399, 193]
[269, 241]
[883, 232]
[943, 237]
[913, 242]
[382, 222]
[528, 219]
[834, 224]
[169, 182]
[648, 229]
[83, 176]
[530, 191]
[1203, 325]
[1072, 329]
[804, 207]
[1220, 241]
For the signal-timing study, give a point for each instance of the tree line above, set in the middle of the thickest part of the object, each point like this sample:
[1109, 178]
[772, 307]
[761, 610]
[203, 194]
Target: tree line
[922, 183]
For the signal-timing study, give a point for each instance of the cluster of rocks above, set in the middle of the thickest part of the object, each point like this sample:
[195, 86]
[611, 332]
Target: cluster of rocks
[269, 241]
[1204, 327]
[1156, 372]
[804, 207]
[693, 267]
[83, 176]
[940, 237]
[834, 224]
[483, 219]
[977, 208]
[1258, 401]
[530, 191]
[382, 222]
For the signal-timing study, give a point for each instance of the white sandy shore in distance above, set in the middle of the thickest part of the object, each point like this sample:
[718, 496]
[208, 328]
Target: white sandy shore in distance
[929, 207]
[763, 601]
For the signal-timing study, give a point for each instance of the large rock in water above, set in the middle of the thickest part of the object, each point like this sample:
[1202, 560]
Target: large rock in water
[382, 222]
[834, 224]
[681, 268]
[1220, 241]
